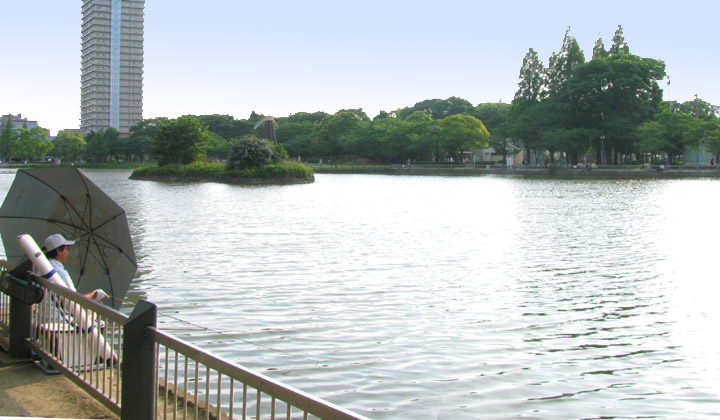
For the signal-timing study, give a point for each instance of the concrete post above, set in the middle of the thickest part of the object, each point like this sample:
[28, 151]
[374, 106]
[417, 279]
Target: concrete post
[138, 365]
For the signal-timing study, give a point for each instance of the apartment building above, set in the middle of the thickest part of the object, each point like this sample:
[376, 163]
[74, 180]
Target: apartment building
[111, 65]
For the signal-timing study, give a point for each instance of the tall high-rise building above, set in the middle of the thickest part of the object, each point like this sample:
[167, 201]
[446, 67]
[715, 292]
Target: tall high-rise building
[111, 64]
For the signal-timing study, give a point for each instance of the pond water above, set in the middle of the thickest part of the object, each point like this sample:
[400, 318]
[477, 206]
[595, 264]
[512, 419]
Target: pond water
[444, 297]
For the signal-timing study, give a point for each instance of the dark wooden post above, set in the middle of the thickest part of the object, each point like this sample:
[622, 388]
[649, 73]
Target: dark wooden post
[20, 327]
[138, 364]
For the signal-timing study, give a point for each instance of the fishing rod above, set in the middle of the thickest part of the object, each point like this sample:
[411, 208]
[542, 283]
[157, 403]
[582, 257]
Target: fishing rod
[198, 327]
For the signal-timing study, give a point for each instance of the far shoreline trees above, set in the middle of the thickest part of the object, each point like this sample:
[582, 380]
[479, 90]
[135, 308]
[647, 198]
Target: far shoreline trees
[608, 110]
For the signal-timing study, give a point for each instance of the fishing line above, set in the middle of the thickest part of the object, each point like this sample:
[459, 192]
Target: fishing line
[199, 327]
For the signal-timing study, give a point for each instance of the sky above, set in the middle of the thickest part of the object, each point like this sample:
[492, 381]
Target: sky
[282, 57]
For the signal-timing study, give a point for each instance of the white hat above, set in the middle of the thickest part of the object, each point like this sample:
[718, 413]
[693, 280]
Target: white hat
[55, 241]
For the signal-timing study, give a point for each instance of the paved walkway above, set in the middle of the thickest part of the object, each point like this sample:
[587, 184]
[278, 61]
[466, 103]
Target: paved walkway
[27, 391]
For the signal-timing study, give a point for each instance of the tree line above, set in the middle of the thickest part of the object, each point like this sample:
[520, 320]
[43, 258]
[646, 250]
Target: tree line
[437, 129]
[609, 109]
[431, 130]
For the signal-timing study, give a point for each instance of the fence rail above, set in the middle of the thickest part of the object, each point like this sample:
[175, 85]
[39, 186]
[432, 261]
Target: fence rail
[198, 384]
[164, 377]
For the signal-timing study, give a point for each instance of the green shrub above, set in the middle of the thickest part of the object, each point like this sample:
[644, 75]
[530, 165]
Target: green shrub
[280, 153]
[250, 152]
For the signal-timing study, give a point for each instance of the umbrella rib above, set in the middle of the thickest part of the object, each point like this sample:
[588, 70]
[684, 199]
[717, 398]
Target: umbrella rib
[92, 241]
[88, 203]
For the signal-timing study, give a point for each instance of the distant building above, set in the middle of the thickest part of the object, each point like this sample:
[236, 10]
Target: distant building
[18, 122]
[112, 65]
[513, 155]
[73, 131]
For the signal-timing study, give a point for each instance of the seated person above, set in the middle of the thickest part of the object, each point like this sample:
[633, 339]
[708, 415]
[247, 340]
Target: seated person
[57, 250]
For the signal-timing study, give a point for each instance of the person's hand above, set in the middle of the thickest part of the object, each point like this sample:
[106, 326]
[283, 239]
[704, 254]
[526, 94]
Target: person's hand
[100, 295]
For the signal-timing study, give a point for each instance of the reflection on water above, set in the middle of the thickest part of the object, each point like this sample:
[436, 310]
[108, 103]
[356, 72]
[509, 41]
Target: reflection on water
[452, 298]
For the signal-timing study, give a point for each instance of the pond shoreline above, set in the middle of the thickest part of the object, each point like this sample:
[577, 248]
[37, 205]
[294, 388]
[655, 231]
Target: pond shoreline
[568, 173]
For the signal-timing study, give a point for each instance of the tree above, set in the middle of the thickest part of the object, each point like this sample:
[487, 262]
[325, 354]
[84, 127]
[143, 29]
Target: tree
[139, 143]
[712, 142]
[423, 134]
[563, 63]
[296, 137]
[8, 140]
[599, 51]
[358, 111]
[533, 80]
[112, 142]
[330, 133]
[382, 115]
[526, 117]
[303, 117]
[223, 125]
[459, 133]
[384, 140]
[180, 141]
[619, 46]
[102, 144]
[33, 144]
[699, 132]
[680, 130]
[492, 115]
[438, 108]
[96, 150]
[613, 96]
[217, 147]
[68, 147]
[699, 109]
[650, 139]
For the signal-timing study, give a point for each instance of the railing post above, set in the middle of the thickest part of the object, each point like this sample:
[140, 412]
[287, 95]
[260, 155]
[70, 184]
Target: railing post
[138, 367]
[20, 327]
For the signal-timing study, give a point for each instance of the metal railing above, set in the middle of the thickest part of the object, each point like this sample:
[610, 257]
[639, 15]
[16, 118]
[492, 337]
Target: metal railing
[195, 384]
[140, 372]
[80, 338]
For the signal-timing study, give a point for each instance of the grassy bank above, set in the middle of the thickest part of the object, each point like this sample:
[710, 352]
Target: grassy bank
[288, 172]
